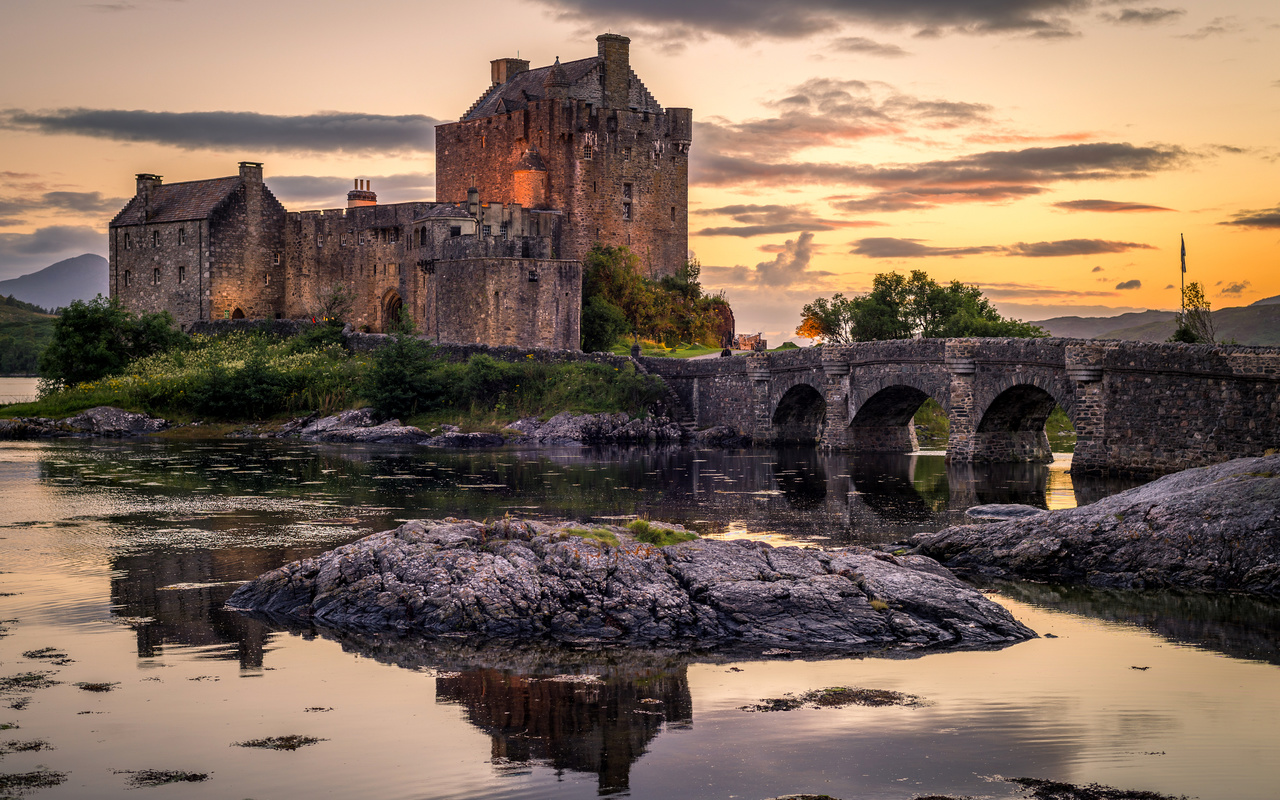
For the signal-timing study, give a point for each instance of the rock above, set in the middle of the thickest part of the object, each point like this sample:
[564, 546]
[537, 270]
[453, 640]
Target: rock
[1002, 511]
[721, 436]
[1211, 529]
[358, 425]
[521, 580]
[99, 421]
[455, 439]
[617, 428]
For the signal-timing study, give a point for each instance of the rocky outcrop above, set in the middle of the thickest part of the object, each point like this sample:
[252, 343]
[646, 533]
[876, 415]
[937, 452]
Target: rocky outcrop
[528, 580]
[619, 428]
[1212, 529]
[101, 421]
[359, 425]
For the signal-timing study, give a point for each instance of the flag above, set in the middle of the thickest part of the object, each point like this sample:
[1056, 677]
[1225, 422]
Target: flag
[1184, 253]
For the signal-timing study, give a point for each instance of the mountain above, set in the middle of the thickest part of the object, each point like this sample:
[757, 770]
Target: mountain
[1257, 324]
[1267, 301]
[24, 333]
[55, 286]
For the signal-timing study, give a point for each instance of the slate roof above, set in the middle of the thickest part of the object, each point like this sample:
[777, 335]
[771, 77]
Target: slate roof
[526, 87]
[444, 210]
[175, 202]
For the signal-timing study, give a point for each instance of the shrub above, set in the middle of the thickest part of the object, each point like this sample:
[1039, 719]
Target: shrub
[658, 537]
[100, 337]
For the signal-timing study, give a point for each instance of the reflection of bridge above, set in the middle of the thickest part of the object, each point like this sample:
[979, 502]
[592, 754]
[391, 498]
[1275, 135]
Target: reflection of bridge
[1136, 407]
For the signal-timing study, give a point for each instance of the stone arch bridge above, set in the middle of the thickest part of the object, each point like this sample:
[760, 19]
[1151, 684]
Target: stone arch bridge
[1138, 408]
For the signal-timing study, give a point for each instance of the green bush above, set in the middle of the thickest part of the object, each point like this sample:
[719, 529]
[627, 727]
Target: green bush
[99, 338]
[658, 537]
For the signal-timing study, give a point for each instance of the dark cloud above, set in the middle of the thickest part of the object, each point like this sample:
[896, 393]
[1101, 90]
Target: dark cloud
[923, 198]
[1260, 218]
[887, 247]
[1170, 286]
[20, 253]
[869, 47]
[1073, 247]
[1096, 269]
[680, 19]
[1016, 291]
[1108, 206]
[1143, 16]
[327, 132]
[1218, 26]
[1133, 284]
[1235, 288]
[760, 220]
[330, 191]
[75, 202]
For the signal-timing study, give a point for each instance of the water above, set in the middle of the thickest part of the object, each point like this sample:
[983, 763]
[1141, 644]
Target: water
[120, 555]
[17, 390]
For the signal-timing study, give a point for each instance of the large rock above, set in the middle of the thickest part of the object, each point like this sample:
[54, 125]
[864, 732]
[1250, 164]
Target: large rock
[1214, 528]
[520, 580]
[99, 421]
[619, 428]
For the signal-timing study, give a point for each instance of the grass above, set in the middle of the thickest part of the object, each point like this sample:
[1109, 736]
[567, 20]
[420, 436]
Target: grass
[601, 535]
[658, 537]
[658, 350]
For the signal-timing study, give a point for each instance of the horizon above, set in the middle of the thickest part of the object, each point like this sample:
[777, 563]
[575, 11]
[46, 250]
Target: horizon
[832, 141]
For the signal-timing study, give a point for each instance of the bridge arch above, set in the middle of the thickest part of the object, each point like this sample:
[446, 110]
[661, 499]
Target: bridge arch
[1010, 418]
[799, 415]
[881, 410]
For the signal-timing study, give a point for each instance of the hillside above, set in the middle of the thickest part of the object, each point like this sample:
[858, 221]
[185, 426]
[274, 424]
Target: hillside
[1257, 324]
[80, 278]
[1094, 327]
[23, 335]
[1267, 301]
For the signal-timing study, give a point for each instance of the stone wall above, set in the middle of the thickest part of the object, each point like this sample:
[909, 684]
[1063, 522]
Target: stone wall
[160, 267]
[246, 253]
[502, 301]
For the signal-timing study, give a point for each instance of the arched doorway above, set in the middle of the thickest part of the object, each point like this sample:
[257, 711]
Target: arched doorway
[237, 314]
[392, 305]
[883, 424]
[1013, 426]
[799, 416]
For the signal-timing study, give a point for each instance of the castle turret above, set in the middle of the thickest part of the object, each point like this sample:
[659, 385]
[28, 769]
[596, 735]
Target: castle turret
[615, 53]
[556, 84]
[362, 195]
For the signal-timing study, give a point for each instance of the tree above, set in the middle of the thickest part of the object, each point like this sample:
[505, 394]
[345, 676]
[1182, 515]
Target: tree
[900, 307]
[1196, 325]
[101, 337]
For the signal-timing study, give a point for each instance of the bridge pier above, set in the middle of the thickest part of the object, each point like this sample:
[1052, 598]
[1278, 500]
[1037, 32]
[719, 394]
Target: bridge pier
[1084, 368]
[959, 362]
[762, 412]
[835, 426]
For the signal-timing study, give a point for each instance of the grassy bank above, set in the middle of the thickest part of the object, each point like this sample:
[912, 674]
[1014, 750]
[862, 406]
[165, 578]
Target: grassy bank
[257, 378]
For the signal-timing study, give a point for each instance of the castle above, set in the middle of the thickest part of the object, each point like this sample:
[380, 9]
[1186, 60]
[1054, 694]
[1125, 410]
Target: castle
[546, 163]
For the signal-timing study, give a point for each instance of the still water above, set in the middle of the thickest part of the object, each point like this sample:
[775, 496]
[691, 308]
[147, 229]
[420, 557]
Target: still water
[119, 555]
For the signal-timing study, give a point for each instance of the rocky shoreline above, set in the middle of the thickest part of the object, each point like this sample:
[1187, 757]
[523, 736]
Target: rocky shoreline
[104, 421]
[523, 580]
[1212, 529]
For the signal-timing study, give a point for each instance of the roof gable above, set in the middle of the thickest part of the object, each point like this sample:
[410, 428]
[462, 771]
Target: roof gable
[529, 86]
[176, 202]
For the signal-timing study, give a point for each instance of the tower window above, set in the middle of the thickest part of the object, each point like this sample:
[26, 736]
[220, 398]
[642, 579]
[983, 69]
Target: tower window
[626, 211]
[586, 151]
[155, 276]
[155, 238]
[455, 231]
[626, 191]
[673, 213]
[182, 235]
[127, 243]
[182, 273]
[486, 230]
[275, 259]
[127, 276]
[626, 154]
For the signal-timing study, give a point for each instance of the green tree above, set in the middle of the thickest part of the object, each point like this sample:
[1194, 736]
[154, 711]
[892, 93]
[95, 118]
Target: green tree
[100, 337]
[900, 307]
[1196, 325]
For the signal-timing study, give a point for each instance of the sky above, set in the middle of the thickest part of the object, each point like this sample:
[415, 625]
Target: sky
[1051, 152]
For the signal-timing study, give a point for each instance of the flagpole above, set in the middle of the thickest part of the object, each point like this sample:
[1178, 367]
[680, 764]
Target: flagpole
[1182, 319]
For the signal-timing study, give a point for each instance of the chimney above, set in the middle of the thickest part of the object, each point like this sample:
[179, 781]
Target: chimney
[473, 202]
[147, 185]
[362, 195]
[615, 55]
[251, 171]
[504, 69]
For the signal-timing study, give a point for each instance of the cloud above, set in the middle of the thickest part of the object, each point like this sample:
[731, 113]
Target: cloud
[930, 197]
[1218, 26]
[1260, 218]
[1143, 16]
[1170, 286]
[1015, 291]
[1133, 284]
[330, 191]
[78, 203]
[682, 20]
[790, 267]
[323, 132]
[1108, 206]
[21, 252]
[1096, 269]
[1235, 288]
[759, 220]
[888, 247]
[864, 46]
[1073, 247]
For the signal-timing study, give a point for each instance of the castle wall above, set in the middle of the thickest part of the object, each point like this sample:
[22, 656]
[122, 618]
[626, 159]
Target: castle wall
[521, 302]
[160, 267]
[245, 256]
[621, 176]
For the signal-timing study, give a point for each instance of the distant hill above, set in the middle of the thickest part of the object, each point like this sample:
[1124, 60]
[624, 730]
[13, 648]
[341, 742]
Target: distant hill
[80, 278]
[1267, 301]
[24, 333]
[1257, 324]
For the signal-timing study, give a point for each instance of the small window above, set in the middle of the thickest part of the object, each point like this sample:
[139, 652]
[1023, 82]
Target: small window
[155, 238]
[127, 243]
[455, 230]
[626, 191]
[127, 276]
[395, 235]
[182, 235]
[486, 230]
[319, 241]
[586, 151]
[422, 237]
[343, 241]
[533, 276]
[502, 230]
[362, 238]
[275, 259]
[673, 213]
[626, 154]
[266, 279]
[626, 211]
[182, 273]
[155, 276]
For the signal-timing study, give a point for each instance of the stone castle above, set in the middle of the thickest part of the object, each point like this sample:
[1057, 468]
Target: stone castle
[546, 163]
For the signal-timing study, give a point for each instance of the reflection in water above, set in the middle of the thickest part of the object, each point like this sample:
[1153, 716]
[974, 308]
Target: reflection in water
[1238, 626]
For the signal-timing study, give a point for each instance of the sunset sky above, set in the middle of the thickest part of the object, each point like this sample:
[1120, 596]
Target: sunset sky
[1050, 151]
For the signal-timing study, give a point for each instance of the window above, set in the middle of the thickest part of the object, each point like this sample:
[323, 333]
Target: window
[455, 231]
[155, 276]
[127, 275]
[486, 230]
[266, 279]
[502, 230]
[626, 211]
[275, 259]
[673, 213]
[395, 235]
[626, 154]
[127, 244]
[155, 238]
[586, 151]
[422, 237]
[319, 241]
[362, 238]
[343, 241]
[182, 273]
[182, 235]
[626, 191]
